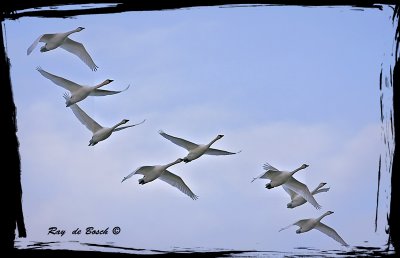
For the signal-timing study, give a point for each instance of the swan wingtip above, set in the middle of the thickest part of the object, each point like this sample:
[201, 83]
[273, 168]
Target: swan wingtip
[127, 87]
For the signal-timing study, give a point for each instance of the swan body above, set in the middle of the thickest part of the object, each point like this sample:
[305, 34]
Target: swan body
[297, 200]
[55, 40]
[100, 133]
[309, 224]
[78, 92]
[196, 150]
[279, 178]
[151, 173]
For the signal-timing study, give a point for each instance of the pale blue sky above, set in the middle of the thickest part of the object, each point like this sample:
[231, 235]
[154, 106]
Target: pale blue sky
[286, 85]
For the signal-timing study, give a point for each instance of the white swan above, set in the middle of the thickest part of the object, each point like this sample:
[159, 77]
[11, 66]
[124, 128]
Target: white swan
[56, 40]
[78, 92]
[297, 200]
[308, 224]
[151, 173]
[99, 133]
[278, 178]
[196, 150]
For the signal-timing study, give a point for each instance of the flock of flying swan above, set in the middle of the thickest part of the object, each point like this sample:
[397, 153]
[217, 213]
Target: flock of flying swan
[298, 192]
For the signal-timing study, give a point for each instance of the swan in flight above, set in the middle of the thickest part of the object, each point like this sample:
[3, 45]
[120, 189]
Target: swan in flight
[308, 224]
[99, 133]
[78, 92]
[278, 178]
[196, 150]
[151, 173]
[56, 40]
[298, 200]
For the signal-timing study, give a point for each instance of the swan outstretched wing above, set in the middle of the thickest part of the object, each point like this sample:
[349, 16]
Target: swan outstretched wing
[41, 38]
[177, 182]
[66, 84]
[79, 50]
[301, 189]
[211, 151]
[86, 120]
[178, 141]
[141, 170]
[298, 223]
[330, 232]
[267, 167]
[98, 92]
[127, 126]
[291, 193]
[285, 227]
[269, 173]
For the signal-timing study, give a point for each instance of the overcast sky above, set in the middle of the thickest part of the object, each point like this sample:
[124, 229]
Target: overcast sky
[286, 85]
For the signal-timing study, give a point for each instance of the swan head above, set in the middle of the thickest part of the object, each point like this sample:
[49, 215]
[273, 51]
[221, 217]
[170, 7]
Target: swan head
[124, 121]
[80, 28]
[321, 185]
[328, 212]
[220, 136]
[304, 166]
[107, 81]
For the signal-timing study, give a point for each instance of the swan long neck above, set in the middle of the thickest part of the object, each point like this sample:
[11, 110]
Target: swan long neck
[214, 140]
[172, 163]
[72, 31]
[322, 216]
[115, 126]
[296, 170]
[100, 85]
